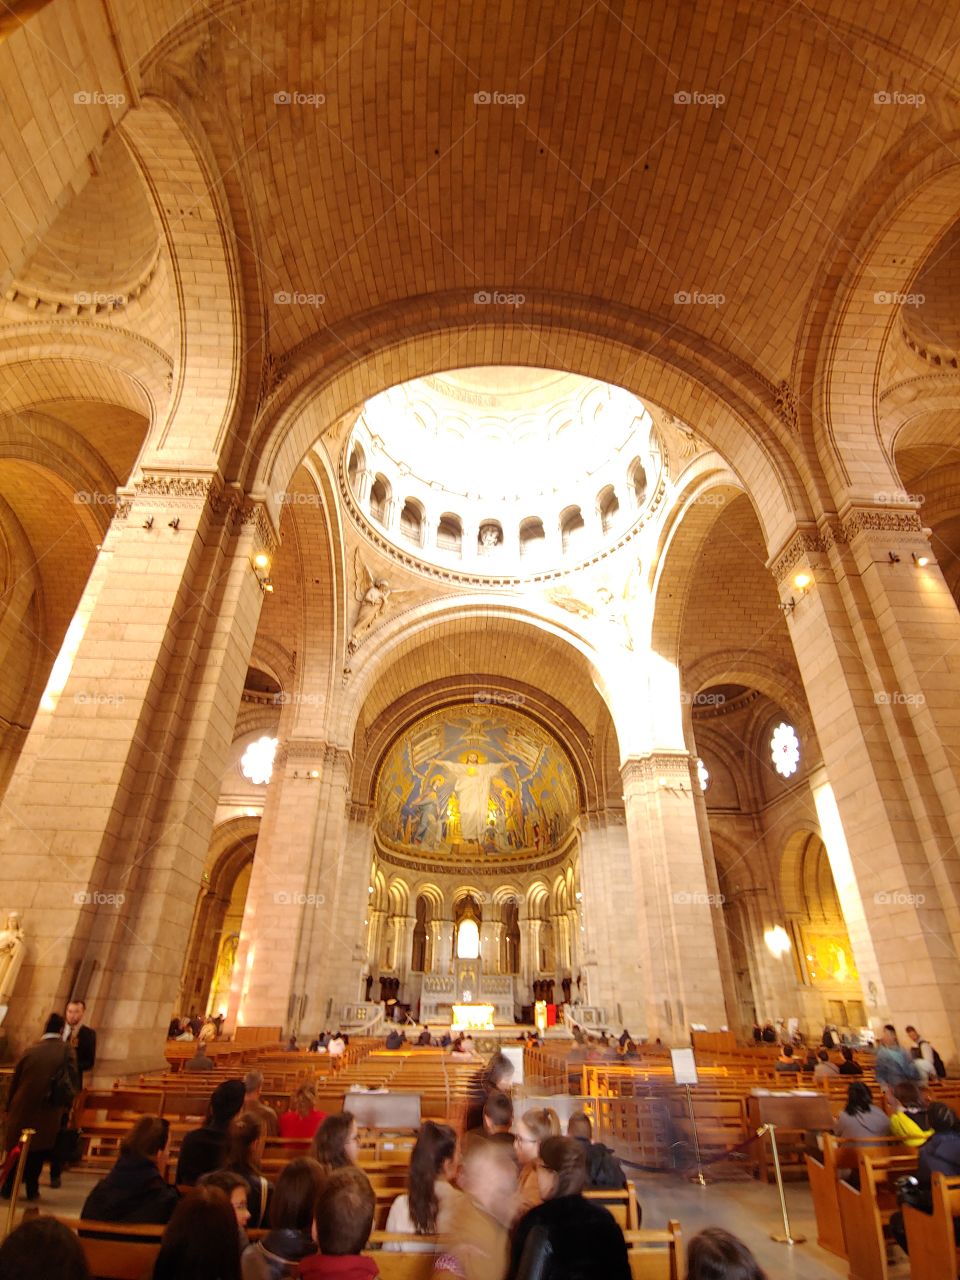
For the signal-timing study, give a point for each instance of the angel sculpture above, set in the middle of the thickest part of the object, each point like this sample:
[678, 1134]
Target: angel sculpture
[373, 596]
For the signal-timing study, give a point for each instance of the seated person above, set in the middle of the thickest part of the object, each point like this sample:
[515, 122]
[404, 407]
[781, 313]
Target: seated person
[343, 1220]
[604, 1171]
[336, 1045]
[395, 1039]
[423, 1039]
[825, 1068]
[135, 1189]
[254, 1105]
[199, 1061]
[203, 1149]
[289, 1240]
[244, 1154]
[336, 1143]
[478, 1244]
[849, 1067]
[40, 1248]
[939, 1154]
[860, 1118]
[496, 1121]
[566, 1235]
[302, 1119]
[908, 1119]
[234, 1187]
[200, 1240]
[787, 1061]
[498, 1073]
[430, 1200]
[714, 1254]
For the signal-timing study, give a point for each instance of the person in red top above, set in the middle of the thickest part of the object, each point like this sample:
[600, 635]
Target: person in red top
[343, 1221]
[302, 1119]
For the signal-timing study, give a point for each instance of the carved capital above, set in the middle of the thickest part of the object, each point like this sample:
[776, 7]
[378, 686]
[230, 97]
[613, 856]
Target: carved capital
[675, 768]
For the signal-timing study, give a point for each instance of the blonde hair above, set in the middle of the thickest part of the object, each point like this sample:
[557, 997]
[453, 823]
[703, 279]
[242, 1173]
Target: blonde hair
[543, 1123]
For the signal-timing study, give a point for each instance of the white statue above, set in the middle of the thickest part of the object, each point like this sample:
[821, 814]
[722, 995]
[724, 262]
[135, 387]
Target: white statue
[372, 595]
[12, 951]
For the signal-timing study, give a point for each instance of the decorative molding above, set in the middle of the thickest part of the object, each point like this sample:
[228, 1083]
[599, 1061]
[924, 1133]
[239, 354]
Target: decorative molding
[803, 543]
[84, 303]
[785, 404]
[183, 486]
[677, 767]
[878, 520]
[933, 353]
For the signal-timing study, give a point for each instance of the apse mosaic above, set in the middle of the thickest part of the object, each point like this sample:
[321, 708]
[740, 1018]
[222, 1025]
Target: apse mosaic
[476, 778]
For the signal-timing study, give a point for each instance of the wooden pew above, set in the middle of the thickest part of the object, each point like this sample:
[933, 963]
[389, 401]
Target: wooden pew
[933, 1249]
[656, 1254]
[622, 1204]
[838, 1155]
[126, 1252]
[865, 1213]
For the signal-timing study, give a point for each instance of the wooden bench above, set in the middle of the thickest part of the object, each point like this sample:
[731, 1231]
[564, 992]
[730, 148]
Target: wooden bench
[838, 1155]
[623, 1205]
[655, 1254]
[124, 1251]
[865, 1213]
[933, 1249]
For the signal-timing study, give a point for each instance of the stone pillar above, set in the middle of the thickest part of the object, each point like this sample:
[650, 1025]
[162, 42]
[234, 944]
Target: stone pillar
[376, 920]
[680, 968]
[875, 640]
[611, 947]
[405, 927]
[111, 807]
[302, 935]
[444, 963]
[364, 484]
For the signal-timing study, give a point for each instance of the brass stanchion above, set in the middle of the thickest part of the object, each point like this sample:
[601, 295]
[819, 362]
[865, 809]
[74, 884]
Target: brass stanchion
[787, 1237]
[26, 1138]
[698, 1178]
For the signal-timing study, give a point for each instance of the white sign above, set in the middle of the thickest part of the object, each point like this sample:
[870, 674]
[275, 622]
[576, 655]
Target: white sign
[684, 1066]
[514, 1053]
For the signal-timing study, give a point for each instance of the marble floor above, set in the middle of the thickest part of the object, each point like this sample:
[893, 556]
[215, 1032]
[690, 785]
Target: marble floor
[749, 1209]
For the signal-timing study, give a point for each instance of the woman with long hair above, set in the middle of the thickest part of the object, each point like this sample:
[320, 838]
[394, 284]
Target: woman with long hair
[429, 1204]
[200, 1241]
[533, 1128]
[290, 1219]
[908, 1118]
[301, 1118]
[715, 1254]
[244, 1154]
[566, 1235]
[860, 1118]
[336, 1144]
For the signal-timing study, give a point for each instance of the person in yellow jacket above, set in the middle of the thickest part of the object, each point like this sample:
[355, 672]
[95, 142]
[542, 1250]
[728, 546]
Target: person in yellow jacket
[908, 1119]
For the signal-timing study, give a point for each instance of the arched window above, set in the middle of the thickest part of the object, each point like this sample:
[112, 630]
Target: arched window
[468, 940]
[609, 506]
[356, 465]
[379, 497]
[571, 527]
[411, 521]
[449, 533]
[785, 749]
[256, 763]
[638, 481]
[532, 536]
[490, 537]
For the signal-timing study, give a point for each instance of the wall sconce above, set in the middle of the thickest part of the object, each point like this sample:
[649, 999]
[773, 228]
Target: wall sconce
[894, 558]
[261, 567]
[148, 523]
[921, 561]
[802, 581]
[174, 524]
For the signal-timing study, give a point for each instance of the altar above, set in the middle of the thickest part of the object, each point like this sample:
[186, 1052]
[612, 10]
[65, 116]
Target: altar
[442, 994]
[472, 1017]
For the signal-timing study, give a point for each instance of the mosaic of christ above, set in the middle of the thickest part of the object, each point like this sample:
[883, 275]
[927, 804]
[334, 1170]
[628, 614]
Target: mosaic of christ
[476, 778]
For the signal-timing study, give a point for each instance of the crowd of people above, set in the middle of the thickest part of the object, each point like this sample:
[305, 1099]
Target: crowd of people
[506, 1202]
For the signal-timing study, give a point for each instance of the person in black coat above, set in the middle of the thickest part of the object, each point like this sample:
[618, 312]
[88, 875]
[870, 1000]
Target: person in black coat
[84, 1042]
[135, 1190]
[566, 1237]
[31, 1105]
[939, 1154]
[604, 1171]
[204, 1149]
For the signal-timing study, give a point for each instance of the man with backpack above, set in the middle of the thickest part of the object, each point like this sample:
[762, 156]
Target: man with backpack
[925, 1055]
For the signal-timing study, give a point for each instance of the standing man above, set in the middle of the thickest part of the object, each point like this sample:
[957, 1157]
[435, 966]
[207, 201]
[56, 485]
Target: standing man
[42, 1079]
[893, 1064]
[83, 1041]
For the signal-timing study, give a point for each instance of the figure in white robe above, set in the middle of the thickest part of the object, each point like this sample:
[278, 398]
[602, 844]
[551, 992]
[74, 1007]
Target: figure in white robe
[472, 788]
